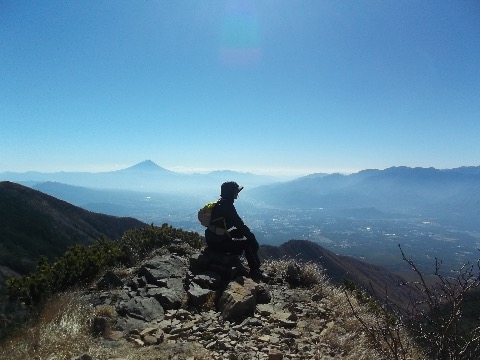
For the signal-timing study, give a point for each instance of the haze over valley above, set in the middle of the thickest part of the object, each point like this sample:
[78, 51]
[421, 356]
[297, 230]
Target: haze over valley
[431, 213]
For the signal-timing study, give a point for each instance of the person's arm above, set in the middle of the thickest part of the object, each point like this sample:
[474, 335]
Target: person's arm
[239, 224]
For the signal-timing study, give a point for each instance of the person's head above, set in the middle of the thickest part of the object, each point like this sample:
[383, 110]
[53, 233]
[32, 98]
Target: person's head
[230, 190]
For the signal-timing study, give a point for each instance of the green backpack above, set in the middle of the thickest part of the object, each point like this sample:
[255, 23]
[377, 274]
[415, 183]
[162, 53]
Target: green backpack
[205, 218]
[205, 213]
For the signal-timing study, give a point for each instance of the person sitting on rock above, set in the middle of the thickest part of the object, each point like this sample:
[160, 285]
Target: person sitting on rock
[227, 232]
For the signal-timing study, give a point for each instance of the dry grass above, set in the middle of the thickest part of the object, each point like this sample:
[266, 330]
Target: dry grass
[345, 336]
[63, 331]
[107, 311]
[309, 273]
[64, 328]
[348, 335]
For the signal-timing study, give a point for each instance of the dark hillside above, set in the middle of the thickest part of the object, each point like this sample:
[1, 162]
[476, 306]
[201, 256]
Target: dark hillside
[339, 268]
[33, 224]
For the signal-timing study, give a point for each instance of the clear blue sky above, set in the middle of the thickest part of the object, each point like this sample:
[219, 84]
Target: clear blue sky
[262, 86]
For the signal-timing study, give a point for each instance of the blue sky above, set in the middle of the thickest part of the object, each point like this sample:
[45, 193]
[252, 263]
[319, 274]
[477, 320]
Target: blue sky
[270, 87]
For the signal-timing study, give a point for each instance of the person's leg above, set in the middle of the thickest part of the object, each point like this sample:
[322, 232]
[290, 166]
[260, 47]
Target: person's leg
[245, 246]
[252, 258]
[216, 243]
[225, 245]
[248, 247]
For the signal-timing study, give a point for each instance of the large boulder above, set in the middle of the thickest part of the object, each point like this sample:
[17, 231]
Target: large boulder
[239, 299]
[208, 280]
[141, 308]
[159, 268]
[168, 298]
[165, 283]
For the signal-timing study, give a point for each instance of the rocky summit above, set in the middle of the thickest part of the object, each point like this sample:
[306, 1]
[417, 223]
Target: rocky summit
[203, 302]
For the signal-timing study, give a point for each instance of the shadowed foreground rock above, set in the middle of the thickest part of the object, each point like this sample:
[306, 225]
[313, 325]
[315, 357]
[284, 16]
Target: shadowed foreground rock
[205, 298]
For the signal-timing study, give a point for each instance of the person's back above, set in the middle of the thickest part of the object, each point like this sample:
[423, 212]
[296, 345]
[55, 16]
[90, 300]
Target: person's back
[228, 233]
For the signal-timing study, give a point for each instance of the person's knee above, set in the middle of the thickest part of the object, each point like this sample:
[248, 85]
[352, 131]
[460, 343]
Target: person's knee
[236, 234]
[253, 244]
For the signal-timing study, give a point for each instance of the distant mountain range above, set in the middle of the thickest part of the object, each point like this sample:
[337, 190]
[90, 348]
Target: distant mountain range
[144, 176]
[34, 224]
[452, 195]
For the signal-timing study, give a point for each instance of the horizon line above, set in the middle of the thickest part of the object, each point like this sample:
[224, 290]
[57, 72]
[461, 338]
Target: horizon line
[273, 172]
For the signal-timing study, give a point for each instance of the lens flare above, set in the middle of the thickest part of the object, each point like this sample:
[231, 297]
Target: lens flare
[240, 40]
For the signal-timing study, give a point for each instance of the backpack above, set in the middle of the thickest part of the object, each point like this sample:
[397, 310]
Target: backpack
[205, 213]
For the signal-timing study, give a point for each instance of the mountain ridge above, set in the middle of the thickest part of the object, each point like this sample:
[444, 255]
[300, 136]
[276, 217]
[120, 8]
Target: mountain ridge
[451, 195]
[35, 224]
[143, 176]
[146, 165]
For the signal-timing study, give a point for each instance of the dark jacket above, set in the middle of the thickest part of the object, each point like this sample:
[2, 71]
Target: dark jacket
[224, 215]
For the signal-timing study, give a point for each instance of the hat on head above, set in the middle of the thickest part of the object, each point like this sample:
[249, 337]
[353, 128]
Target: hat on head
[229, 189]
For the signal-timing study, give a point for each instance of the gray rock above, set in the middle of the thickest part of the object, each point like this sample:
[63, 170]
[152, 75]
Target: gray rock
[168, 298]
[199, 262]
[126, 324]
[137, 282]
[109, 280]
[280, 330]
[145, 309]
[208, 280]
[150, 340]
[163, 267]
[198, 296]
[263, 294]
[239, 299]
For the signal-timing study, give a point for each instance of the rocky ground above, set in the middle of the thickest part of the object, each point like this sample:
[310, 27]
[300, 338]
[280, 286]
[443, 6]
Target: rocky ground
[186, 304]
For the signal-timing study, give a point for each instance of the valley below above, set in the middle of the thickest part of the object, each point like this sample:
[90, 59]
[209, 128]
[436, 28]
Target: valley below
[432, 214]
[365, 234]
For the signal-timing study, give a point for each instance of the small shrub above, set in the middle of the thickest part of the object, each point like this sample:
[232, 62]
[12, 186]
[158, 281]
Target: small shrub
[434, 321]
[107, 311]
[80, 264]
[302, 274]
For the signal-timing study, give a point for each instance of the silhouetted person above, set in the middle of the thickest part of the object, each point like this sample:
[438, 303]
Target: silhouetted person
[227, 232]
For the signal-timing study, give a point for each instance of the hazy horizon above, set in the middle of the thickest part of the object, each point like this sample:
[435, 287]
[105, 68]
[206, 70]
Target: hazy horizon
[280, 175]
[274, 88]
